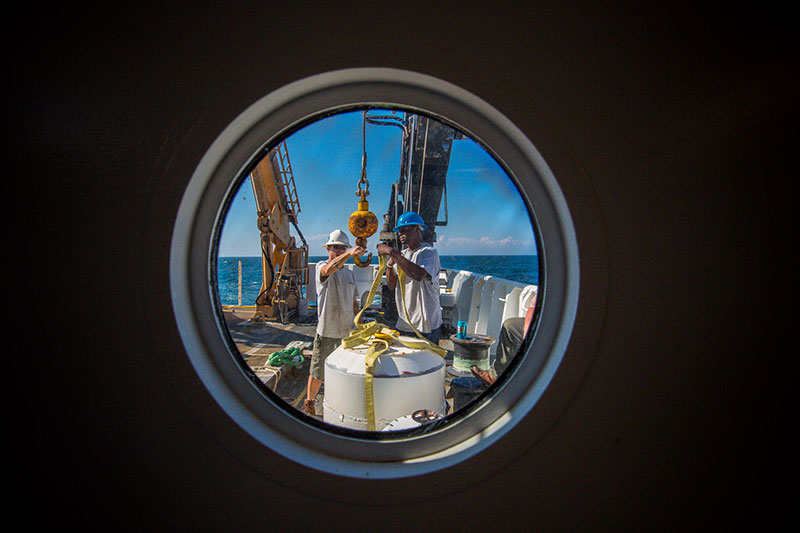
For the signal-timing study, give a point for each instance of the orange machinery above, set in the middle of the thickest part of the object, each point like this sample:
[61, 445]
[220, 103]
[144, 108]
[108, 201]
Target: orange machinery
[284, 264]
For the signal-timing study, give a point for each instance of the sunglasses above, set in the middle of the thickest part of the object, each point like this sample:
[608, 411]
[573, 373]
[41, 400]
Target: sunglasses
[406, 229]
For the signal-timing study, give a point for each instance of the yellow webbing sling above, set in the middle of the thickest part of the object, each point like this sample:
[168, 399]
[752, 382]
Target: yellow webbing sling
[366, 333]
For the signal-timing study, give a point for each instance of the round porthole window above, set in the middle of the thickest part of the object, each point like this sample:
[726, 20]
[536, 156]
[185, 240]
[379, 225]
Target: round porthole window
[374, 273]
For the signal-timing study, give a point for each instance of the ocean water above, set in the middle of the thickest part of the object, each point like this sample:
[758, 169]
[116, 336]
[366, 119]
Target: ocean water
[522, 268]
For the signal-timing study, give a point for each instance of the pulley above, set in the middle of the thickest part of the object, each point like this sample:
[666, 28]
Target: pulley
[362, 224]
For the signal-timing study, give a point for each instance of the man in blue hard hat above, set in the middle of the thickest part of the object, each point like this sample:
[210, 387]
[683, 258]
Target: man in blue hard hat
[420, 262]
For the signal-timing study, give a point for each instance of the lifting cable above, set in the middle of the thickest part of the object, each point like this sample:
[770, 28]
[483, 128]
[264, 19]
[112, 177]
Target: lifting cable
[405, 126]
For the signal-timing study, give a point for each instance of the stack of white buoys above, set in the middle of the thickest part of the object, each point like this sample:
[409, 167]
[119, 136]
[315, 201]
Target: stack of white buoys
[404, 381]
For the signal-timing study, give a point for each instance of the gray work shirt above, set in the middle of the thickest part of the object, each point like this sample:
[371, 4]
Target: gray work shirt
[335, 302]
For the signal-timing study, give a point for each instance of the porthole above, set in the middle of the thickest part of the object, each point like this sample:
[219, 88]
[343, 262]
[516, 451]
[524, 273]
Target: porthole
[255, 143]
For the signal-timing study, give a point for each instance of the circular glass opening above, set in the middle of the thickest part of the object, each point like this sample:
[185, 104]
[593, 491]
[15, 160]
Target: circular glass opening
[422, 228]
[300, 284]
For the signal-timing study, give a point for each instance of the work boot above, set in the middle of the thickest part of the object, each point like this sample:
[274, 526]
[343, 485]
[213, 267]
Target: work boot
[309, 408]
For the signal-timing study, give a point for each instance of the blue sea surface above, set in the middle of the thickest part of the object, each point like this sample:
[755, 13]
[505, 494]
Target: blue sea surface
[522, 268]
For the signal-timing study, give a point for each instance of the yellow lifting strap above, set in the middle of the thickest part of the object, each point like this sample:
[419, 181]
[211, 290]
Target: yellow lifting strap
[380, 337]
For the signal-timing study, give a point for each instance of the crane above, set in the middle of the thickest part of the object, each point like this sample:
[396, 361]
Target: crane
[284, 264]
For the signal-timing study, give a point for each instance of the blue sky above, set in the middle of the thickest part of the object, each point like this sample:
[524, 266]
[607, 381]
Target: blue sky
[486, 215]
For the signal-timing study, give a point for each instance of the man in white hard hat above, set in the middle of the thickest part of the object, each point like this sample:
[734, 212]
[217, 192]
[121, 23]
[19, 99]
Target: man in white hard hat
[420, 263]
[337, 307]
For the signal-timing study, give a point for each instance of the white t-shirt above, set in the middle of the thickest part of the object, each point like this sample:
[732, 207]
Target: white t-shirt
[335, 302]
[422, 297]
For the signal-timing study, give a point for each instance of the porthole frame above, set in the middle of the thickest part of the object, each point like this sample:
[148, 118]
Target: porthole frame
[202, 330]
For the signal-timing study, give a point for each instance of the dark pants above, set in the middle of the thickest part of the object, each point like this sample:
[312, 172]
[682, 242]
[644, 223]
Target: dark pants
[434, 336]
[511, 335]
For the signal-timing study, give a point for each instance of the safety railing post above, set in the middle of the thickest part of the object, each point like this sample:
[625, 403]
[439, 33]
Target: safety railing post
[240, 283]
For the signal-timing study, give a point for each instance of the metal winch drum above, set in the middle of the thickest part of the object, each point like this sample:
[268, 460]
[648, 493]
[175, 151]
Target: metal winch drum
[469, 351]
[404, 381]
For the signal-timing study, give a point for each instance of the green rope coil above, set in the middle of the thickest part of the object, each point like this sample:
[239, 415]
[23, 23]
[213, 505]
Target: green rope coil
[287, 356]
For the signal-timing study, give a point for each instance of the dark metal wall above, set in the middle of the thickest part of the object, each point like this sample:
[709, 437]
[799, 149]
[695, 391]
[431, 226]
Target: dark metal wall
[677, 121]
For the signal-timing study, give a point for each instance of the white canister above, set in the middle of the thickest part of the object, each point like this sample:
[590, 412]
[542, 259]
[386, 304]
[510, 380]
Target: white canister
[404, 381]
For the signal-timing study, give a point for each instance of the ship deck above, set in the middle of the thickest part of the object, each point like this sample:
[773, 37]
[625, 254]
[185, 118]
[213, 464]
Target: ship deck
[256, 340]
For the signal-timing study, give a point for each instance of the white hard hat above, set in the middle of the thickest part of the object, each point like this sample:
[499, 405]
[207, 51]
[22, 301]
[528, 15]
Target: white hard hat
[337, 237]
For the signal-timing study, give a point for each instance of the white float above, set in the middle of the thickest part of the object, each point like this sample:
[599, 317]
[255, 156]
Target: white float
[404, 380]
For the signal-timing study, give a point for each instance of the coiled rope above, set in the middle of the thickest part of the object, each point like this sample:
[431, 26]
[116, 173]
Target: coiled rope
[287, 356]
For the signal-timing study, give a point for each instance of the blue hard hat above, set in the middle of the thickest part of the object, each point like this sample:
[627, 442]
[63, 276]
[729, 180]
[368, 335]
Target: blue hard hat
[409, 218]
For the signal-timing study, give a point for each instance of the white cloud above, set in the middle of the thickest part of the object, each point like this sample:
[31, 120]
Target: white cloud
[319, 237]
[505, 242]
[456, 242]
[484, 244]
